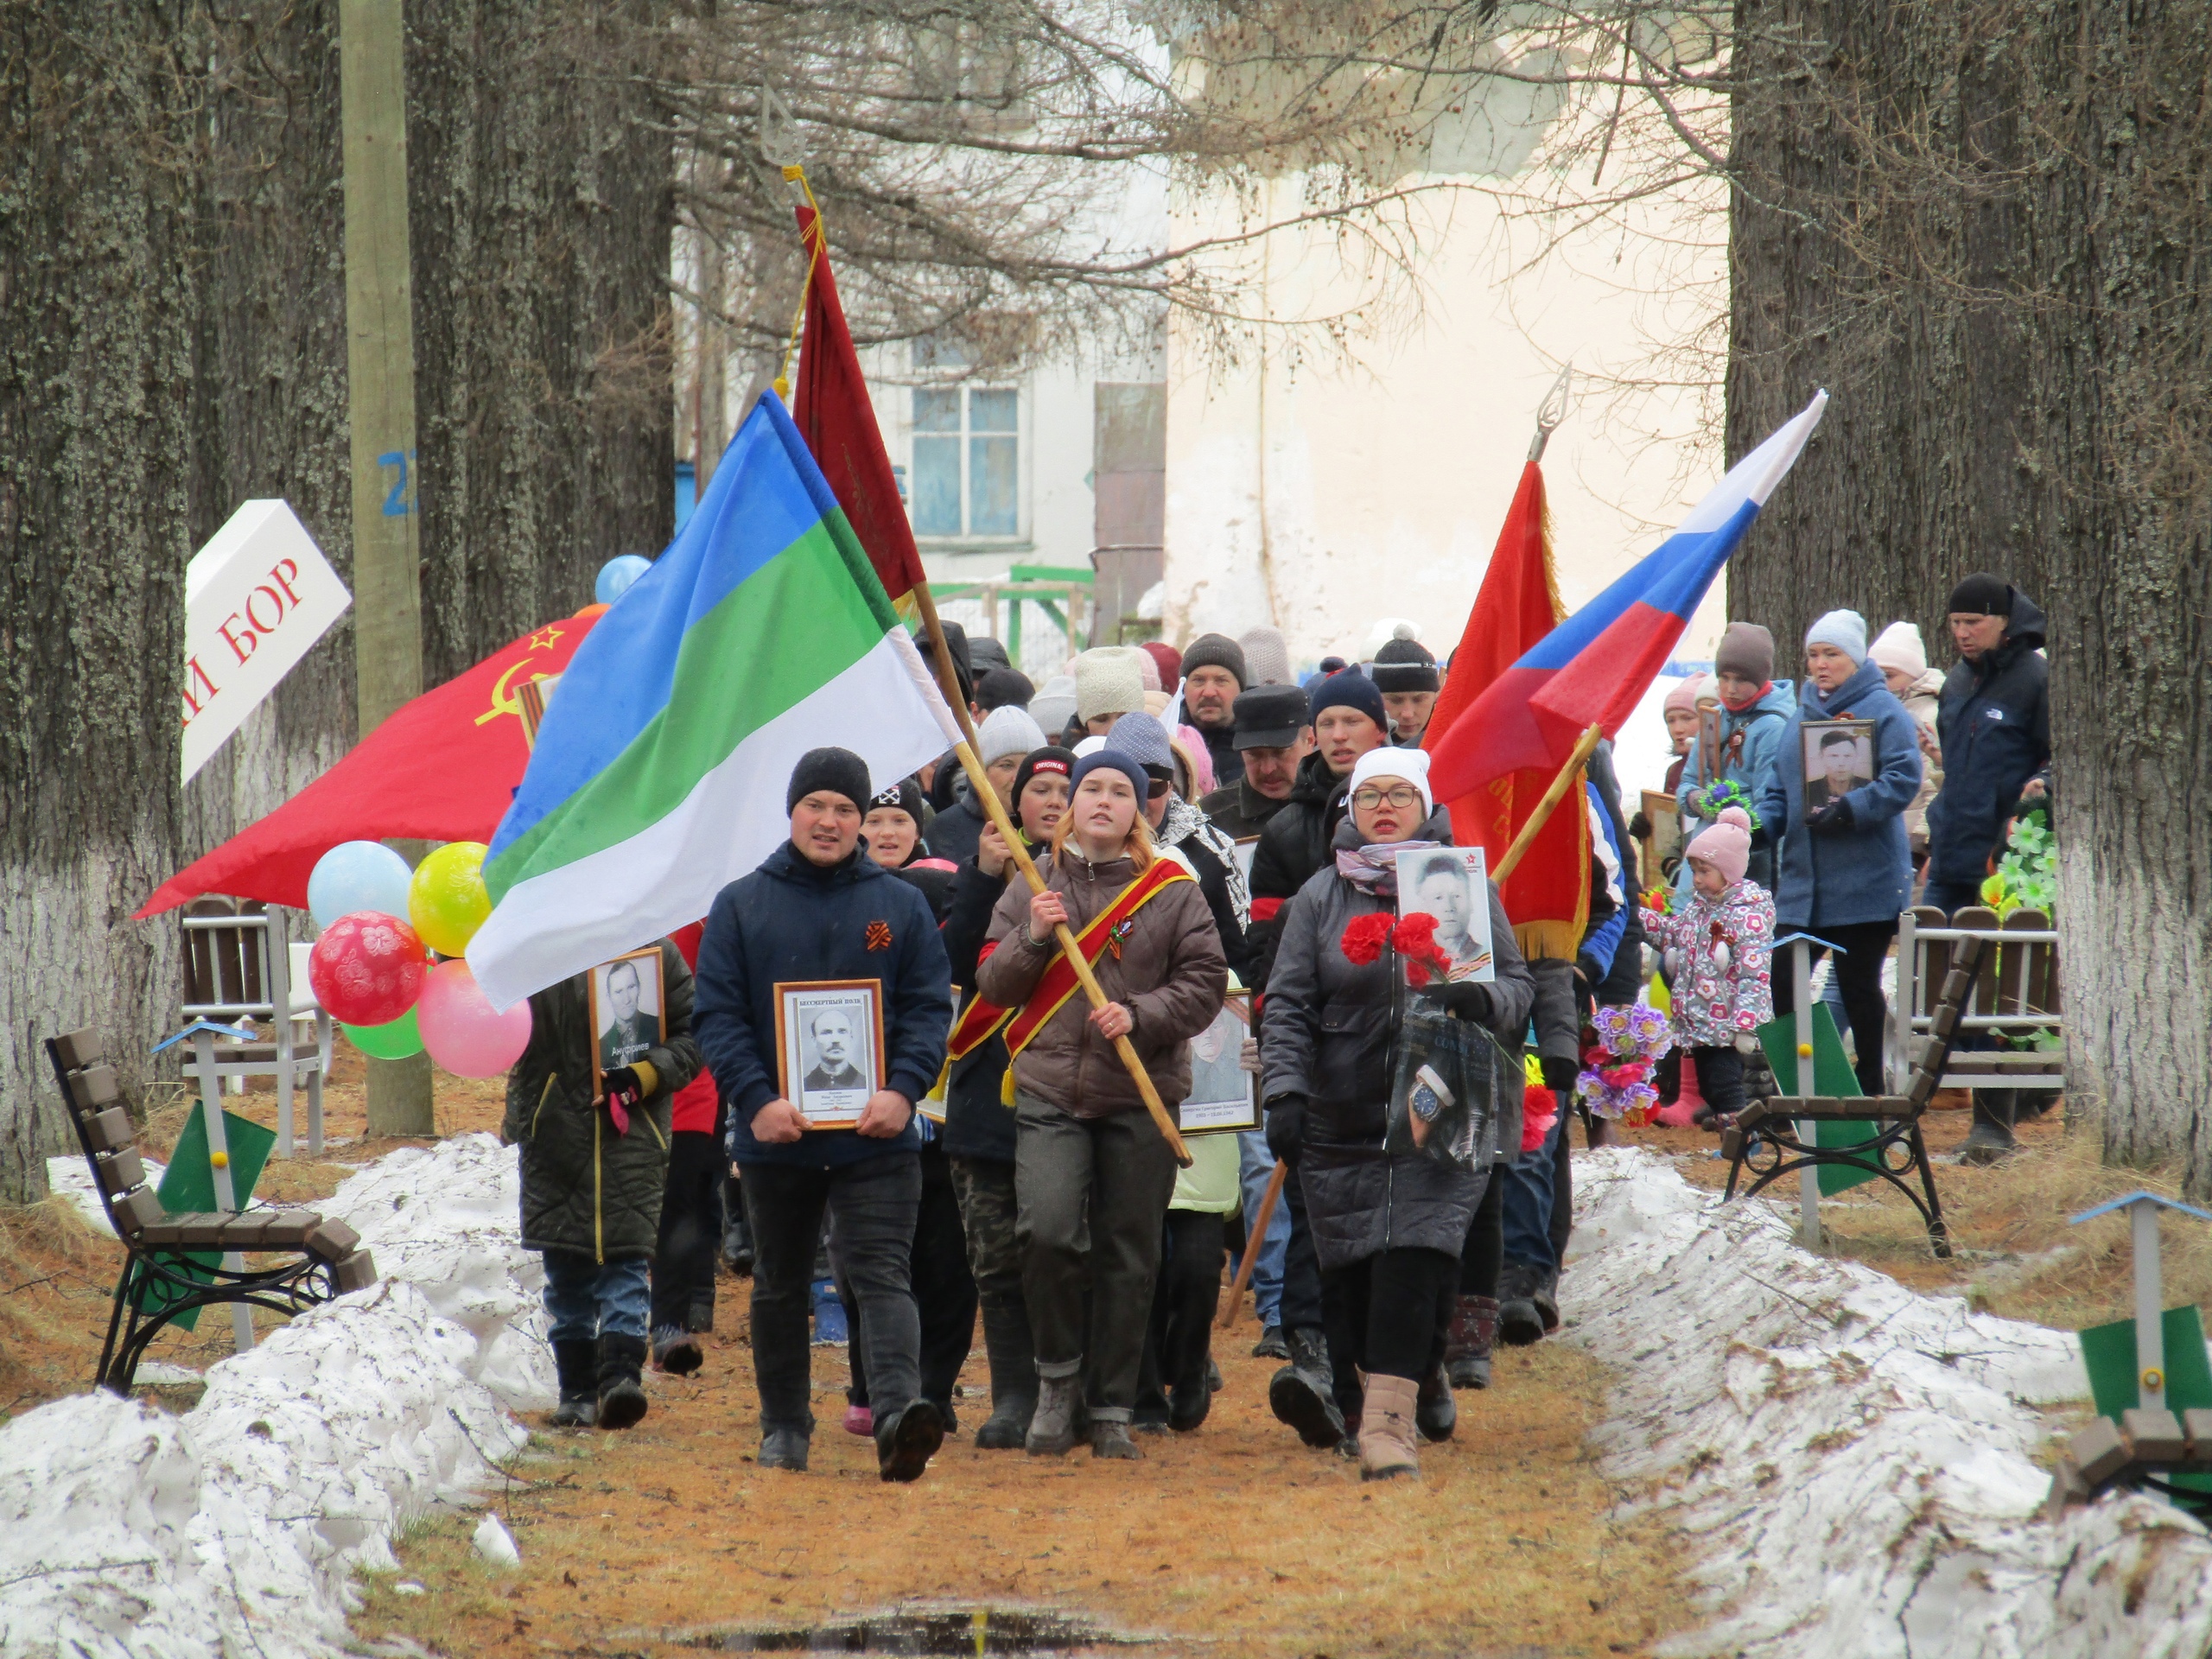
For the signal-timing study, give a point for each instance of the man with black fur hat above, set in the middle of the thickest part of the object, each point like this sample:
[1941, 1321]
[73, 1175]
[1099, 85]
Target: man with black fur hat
[1272, 738]
[820, 908]
[1213, 676]
[1405, 673]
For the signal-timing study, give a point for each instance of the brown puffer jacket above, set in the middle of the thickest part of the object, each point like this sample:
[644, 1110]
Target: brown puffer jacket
[1171, 975]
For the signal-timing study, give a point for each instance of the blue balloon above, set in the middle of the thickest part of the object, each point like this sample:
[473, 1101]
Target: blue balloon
[358, 876]
[616, 575]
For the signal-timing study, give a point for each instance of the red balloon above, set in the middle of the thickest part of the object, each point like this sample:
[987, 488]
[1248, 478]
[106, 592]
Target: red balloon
[368, 969]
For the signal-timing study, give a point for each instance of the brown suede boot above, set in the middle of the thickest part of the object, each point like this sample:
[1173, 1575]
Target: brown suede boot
[1386, 1428]
[1467, 1348]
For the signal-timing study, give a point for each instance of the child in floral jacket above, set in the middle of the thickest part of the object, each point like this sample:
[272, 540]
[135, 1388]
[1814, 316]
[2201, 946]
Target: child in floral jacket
[1718, 944]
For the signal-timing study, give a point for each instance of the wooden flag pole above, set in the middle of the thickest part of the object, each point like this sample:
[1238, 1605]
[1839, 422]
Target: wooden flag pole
[992, 805]
[1584, 747]
[1256, 1235]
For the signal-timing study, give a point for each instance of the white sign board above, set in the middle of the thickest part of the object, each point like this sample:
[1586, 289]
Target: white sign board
[256, 598]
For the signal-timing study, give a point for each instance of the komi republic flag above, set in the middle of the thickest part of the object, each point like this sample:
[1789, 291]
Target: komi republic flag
[659, 773]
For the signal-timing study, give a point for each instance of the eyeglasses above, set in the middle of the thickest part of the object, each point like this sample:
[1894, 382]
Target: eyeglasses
[1401, 795]
[1160, 787]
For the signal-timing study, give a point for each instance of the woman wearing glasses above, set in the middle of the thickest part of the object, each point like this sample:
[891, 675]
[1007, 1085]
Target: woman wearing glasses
[1388, 1229]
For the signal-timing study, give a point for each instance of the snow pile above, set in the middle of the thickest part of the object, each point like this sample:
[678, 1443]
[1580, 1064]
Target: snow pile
[129, 1534]
[446, 1219]
[1855, 1459]
[236, 1528]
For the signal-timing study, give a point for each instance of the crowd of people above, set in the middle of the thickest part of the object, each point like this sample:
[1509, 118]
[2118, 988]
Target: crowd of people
[1204, 826]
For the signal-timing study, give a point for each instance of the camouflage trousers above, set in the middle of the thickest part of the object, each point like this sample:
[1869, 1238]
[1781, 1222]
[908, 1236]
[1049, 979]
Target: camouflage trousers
[984, 1188]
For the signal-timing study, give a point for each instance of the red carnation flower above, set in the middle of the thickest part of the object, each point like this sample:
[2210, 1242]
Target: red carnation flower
[1364, 938]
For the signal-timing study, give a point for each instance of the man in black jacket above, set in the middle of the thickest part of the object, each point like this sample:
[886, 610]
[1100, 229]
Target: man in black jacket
[819, 908]
[1273, 738]
[1993, 726]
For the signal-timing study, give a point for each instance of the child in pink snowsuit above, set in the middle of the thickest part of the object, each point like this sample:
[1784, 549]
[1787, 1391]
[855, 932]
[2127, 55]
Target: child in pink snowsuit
[1718, 944]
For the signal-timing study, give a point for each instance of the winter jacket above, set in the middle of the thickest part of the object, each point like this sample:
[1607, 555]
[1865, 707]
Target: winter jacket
[955, 830]
[1750, 743]
[931, 877]
[1326, 1037]
[585, 1187]
[1171, 975]
[1211, 857]
[1239, 811]
[1923, 701]
[1719, 996]
[792, 919]
[978, 1123]
[1227, 759]
[698, 1105]
[1864, 874]
[1294, 844]
[1995, 728]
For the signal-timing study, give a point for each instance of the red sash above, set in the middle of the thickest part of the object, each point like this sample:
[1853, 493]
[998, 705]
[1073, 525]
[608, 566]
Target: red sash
[981, 1020]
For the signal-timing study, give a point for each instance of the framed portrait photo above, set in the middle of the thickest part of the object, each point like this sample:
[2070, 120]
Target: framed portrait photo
[1452, 884]
[1708, 758]
[1839, 756]
[1225, 1098]
[830, 1047]
[628, 1013]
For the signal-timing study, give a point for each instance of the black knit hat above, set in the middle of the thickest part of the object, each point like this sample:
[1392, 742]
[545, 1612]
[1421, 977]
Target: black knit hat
[1269, 716]
[838, 770]
[1348, 688]
[999, 686]
[1405, 665]
[1980, 595]
[1216, 650]
[905, 795]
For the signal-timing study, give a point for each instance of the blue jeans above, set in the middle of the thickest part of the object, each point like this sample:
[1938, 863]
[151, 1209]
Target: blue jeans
[585, 1300]
[1254, 1165]
[1529, 1184]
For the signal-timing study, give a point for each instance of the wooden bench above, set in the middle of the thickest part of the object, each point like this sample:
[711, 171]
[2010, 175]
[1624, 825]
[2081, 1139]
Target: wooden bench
[1772, 1137]
[322, 1257]
[2015, 992]
[2145, 1448]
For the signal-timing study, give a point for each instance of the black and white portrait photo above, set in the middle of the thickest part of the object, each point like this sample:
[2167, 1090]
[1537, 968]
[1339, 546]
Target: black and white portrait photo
[829, 1047]
[626, 1011]
[1224, 1096]
[1451, 884]
[1838, 757]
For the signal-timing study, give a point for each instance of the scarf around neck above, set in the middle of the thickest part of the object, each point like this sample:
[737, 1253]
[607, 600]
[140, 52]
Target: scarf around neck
[1183, 822]
[1374, 868]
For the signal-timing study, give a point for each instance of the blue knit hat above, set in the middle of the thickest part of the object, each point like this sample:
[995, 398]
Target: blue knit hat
[1115, 759]
[1143, 739]
[1348, 688]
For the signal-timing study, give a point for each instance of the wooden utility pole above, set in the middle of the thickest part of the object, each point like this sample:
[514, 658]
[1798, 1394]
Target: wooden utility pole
[381, 379]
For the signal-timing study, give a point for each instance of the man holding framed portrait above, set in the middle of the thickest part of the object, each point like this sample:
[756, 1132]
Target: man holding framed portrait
[823, 987]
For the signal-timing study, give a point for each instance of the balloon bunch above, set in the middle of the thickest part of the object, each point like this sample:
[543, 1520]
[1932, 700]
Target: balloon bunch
[1616, 1077]
[372, 969]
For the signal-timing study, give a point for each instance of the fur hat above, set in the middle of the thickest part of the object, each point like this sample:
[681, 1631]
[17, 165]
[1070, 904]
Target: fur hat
[1726, 843]
[1403, 663]
[1268, 716]
[1107, 681]
[1267, 659]
[839, 771]
[1845, 630]
[1007, 731]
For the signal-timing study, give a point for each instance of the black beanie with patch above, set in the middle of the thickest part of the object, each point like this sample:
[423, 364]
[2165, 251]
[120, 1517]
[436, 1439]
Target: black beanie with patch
[1405, 665]
[837, 770]
[1980, 594]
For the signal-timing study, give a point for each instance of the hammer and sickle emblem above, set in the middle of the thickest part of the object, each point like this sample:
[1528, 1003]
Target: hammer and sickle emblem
[504, 701]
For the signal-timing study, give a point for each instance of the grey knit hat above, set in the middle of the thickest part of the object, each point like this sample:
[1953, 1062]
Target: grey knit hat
[1267, 657]
[1144, 739]
[1216, 650]
[1007, 731]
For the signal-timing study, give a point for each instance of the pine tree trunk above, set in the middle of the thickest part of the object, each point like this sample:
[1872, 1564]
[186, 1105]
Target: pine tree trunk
[1982, 229]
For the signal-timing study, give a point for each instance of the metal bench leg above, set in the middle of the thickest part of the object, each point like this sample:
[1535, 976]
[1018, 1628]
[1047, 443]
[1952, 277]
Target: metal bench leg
[1939, 1236]
[115, 1317]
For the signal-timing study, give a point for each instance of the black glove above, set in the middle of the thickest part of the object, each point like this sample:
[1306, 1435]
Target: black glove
[1586, 966]
[1638, 827]
[1287, 1127]
[1560, 1074]
[1469, 1001]
[1761, 836]
[1834, 819]
[622, 1090]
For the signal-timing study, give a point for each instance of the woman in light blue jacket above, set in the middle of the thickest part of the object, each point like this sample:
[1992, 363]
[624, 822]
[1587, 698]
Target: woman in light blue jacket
[1843, 869]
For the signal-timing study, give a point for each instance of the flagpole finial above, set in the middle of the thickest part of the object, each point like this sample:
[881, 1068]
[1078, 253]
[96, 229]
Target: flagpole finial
[1551, 412]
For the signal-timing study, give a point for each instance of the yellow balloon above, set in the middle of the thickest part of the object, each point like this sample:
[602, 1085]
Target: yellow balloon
[447, 900]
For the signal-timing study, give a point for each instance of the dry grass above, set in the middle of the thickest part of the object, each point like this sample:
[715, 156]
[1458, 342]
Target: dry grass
[1235, 1538]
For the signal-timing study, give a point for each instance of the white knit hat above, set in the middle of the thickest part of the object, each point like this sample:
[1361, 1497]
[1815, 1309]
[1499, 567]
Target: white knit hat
[1008, 730]
[1412, 765]
[1901, 647]
[1054, 706]
[1108, 680]
[1845, 630]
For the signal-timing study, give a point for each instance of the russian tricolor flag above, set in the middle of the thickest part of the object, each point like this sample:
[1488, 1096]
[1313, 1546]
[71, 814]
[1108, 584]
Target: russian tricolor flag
[1596, 667]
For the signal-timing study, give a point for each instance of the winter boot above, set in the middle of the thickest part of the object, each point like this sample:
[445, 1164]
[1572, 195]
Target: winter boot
[1013, 1359]
[1519, 1323]
[737, 1236]
[621, 1400]
[1435, 1413]
[906, 1443]
[1271, 1345]
[1302, 1393]
[575, 1361]
[1546, 1296]
[1990, 1141]
[677, 1351]
[1467, 1349]
[1052, 1426]
[700, 1320]
[1386, 1429]
[1109, 1437]
[831, 1328]
[784, 1448]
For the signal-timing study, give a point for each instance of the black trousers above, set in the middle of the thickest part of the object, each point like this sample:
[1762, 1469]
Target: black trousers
[1386, 1315]
[1483, 1254]
[1301, 1269]
[945, 1291]
[690, 1229]
[1720, 1078]
[1185, 1299]
[871, 1206]
[1859, 976]
[1562, 1185]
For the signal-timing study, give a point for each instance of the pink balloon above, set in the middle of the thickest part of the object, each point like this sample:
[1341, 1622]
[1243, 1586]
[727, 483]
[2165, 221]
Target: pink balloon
[464, 1033]
[367, 968]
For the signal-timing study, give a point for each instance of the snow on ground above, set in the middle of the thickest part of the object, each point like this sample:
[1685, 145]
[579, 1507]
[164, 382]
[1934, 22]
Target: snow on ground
[1855, 1460]
[126, 1532]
